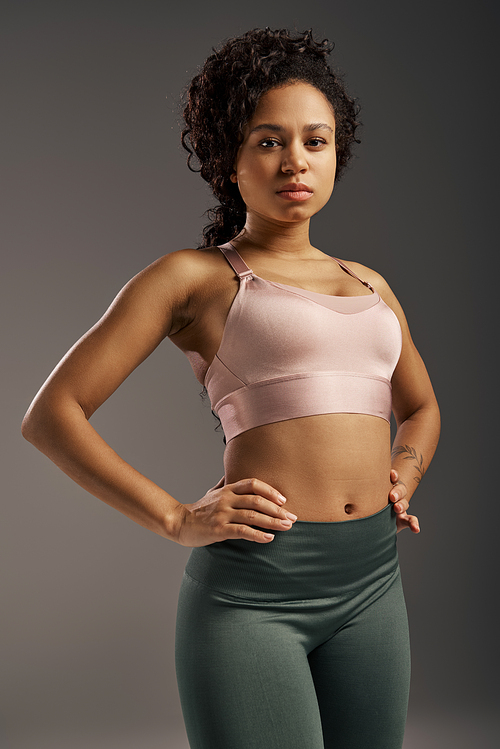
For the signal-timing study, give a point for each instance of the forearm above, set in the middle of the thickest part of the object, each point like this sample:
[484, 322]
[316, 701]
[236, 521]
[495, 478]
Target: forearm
[414, 446]
[64, 434]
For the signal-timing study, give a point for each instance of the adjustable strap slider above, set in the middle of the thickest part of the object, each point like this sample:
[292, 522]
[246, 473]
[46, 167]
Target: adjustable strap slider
[246, 274]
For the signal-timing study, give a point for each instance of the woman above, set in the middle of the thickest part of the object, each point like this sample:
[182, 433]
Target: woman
[292, 627]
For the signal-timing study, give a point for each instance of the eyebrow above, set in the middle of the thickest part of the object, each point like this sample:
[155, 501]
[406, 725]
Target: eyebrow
[280, 129]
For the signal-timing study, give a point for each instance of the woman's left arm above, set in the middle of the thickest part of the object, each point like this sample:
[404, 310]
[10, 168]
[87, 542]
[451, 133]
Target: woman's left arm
[416, 412]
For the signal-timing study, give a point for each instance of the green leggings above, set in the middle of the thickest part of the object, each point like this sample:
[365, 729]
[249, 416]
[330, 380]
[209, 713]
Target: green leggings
[301, 643]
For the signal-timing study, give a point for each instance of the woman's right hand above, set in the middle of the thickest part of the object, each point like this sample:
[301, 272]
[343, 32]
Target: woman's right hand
[230, 511]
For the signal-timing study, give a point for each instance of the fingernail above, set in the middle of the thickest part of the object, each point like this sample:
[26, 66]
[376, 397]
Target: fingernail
[286, 523]
[281, 498]
[269, 536]
[291, 516]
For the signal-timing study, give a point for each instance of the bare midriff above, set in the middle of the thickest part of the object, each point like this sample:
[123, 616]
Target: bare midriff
[331, 467]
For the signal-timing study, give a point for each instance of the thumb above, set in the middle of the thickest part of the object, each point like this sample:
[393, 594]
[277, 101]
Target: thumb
[219, 484]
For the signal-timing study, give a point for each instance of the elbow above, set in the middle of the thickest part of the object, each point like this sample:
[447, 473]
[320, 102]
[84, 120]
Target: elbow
[427, 412]
[438, 423]
[433, 414]
[26, 428]
[32, 426]
[431, 420]
[437, 412]
[43, 419]
[49, 418]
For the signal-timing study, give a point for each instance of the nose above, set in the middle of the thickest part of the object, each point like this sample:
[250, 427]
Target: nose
[294, 159]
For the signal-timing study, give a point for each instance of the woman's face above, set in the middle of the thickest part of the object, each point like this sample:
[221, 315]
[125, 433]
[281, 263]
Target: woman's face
[285, 166]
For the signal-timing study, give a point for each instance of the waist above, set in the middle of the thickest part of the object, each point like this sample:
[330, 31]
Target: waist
[328, 467]
[311, 560]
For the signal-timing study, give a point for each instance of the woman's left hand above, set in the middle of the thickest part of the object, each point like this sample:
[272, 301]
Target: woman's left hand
[397, 496]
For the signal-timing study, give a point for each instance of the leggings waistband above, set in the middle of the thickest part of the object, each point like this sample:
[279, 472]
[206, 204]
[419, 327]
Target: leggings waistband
[311, 560]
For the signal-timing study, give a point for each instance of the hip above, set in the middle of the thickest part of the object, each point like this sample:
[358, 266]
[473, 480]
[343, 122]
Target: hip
[314, 559]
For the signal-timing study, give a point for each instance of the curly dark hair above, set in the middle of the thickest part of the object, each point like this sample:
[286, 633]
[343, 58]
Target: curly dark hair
[223, 97]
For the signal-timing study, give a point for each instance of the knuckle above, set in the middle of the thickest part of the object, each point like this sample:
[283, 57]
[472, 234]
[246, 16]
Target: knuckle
[219, 521]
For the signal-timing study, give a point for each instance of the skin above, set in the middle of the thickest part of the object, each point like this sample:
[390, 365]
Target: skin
[326, 467]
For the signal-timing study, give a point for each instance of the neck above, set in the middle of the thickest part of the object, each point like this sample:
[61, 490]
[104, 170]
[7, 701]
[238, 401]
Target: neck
[260, 233]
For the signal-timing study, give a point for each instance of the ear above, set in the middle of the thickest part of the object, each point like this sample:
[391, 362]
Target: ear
[234, 178]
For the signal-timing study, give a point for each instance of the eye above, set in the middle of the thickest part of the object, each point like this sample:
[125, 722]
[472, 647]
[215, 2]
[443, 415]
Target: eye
[315, 142]
[269, 143]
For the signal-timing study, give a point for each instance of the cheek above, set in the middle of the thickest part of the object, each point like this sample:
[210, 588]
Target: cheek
[251, 180]
[251, 170]
[330, 174]
[328, 183]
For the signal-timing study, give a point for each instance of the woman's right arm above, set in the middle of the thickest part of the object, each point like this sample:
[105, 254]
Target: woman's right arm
[150, 307]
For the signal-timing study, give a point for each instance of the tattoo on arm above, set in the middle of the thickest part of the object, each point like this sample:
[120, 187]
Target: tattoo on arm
[412, 455]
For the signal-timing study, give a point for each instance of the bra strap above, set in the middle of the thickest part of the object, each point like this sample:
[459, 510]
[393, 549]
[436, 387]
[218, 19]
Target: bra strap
[235, 261]
[352, 273]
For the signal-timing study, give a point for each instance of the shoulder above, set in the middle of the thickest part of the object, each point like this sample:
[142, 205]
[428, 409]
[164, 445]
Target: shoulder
[368, 274]
[384, 290]
[380, 284]
[180, 272]
[189, 263]
[170, 289]
[187, 282]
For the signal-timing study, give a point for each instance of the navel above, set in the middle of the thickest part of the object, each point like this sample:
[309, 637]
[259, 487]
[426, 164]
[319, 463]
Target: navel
[348, 509]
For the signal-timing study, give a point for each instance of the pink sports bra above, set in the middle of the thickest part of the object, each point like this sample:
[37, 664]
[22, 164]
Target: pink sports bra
[288, 352]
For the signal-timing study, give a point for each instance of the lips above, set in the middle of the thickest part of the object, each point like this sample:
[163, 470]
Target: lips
[295, 191]
[295, 187]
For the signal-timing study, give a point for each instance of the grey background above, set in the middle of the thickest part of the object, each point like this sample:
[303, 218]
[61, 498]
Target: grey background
[94, 187]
